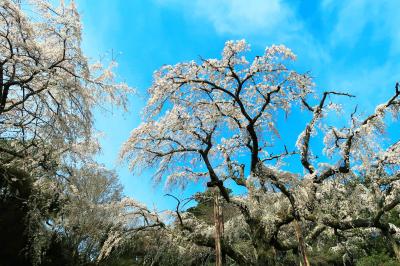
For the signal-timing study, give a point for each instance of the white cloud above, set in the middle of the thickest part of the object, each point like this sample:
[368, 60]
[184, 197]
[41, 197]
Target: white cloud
[261, 22]
[240, 17]
[379, 18]
[371, 85]
[252, 16]
[352, 18]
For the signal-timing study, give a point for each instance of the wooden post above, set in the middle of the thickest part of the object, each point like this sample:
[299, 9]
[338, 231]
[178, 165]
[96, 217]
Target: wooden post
[219, 227]
[302, 247]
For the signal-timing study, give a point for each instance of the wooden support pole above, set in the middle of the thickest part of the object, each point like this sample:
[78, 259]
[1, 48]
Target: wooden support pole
[219, 227]
[302, 247]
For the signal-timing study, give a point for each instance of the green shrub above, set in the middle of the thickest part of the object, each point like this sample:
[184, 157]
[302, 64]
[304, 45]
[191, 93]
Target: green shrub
[377, 259]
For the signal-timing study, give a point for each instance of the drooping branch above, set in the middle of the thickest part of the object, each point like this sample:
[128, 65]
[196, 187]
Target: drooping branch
[304, 139]
[344, 166]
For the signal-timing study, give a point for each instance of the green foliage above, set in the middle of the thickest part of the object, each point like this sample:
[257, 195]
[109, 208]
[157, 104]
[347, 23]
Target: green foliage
[393, 217]
[325, 257]
[204, 210]
[378, 259]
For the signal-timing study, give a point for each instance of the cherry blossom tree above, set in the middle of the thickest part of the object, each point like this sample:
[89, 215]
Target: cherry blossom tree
[216, 120]
[87, 196]
[48, 89]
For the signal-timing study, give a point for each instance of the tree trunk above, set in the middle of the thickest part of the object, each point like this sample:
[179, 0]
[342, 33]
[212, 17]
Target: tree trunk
[219, 227]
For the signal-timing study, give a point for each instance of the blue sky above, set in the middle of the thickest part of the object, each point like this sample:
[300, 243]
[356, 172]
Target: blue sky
[351, 46]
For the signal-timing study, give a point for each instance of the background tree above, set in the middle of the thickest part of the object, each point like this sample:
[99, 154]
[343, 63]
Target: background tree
[47, 87]
[50, 185]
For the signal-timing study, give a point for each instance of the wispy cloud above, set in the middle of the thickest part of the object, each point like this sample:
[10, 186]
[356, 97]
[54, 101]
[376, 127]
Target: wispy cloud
[262, 22]
[253, 16]
[240, 17]
[360, 20]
